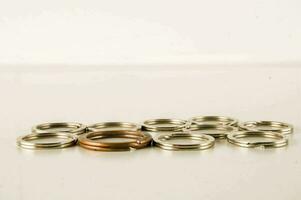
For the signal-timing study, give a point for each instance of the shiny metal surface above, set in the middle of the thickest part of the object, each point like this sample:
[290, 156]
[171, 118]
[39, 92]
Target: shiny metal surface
[279, 139]
[28, 141]
[273, 126]
[164, 125]
[215, 120]
[214, 130]
[69, 127]
[92, 140]
[114, 126]
[203, 141]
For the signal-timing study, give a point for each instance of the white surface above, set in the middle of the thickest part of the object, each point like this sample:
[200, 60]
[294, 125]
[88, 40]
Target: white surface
[98, 32]
[88, 96]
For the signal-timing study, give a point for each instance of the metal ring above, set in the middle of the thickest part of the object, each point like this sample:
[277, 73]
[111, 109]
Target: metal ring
[27, 141]
[273, 126]
[164, 125]
[139, 140]
[114, 126]
[204, 141]
[217, 120]
[68, 127]
[234, 137]
[216, 131]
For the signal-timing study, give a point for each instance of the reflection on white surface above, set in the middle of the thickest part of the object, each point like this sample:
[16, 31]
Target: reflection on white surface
[29, 174]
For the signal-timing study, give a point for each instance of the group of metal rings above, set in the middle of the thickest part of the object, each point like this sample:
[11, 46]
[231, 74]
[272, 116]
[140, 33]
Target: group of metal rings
[170, 134]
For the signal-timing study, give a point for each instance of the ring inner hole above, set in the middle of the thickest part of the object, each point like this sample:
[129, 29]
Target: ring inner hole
[48, 139]
[181, 140]
[210, 131]
[58, 128]
[114, 139]
[165, 123]
[112, 128]
[257, 138]
[267, 127]
[213, 120]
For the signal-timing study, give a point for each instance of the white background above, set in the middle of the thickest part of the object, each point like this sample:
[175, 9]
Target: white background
[93, 61]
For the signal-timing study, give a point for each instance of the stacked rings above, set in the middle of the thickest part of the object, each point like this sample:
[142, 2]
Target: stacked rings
[137, 140]
[114, 126]
[214, 130]
[215, 120]
[28, 141]
[156, 125]
[235, 138]
[164, 141]
[273, 126]
[68, 127]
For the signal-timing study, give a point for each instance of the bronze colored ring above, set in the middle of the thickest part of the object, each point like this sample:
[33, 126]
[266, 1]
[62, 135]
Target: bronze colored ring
[215, 120]
[113, 126]
[272, 126]
[138, 140]
[55, 127]
[216, 131]
[157, 125]
[234, 138]
[27, 141]
[94, 148]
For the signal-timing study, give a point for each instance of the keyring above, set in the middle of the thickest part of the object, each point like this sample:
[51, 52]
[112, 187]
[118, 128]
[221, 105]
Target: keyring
[114, 126]
[157, 125]
[216, 131]
[203, 141]
[69, 127]
[234, 138]
[27, 141]
[273, 126]
[217, 120]
[138, 140]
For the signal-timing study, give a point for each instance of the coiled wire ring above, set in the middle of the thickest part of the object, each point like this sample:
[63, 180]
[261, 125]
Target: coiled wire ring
[215, 120]
[114, 126]
[272, 126]
[203, 141]
[138, 140]
[157, 125]
[234, 138]
[214, 130]
[69, 127]
[27, 141]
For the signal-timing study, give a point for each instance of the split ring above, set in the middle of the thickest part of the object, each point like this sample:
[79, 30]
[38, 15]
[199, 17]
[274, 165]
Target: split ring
[69, 127]
[215, 120]
[157, 125]
[273, 126]
[114, 126]
[137, 140]
[234, 138]
[27, 141]
[202, 141]
[216, 131]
